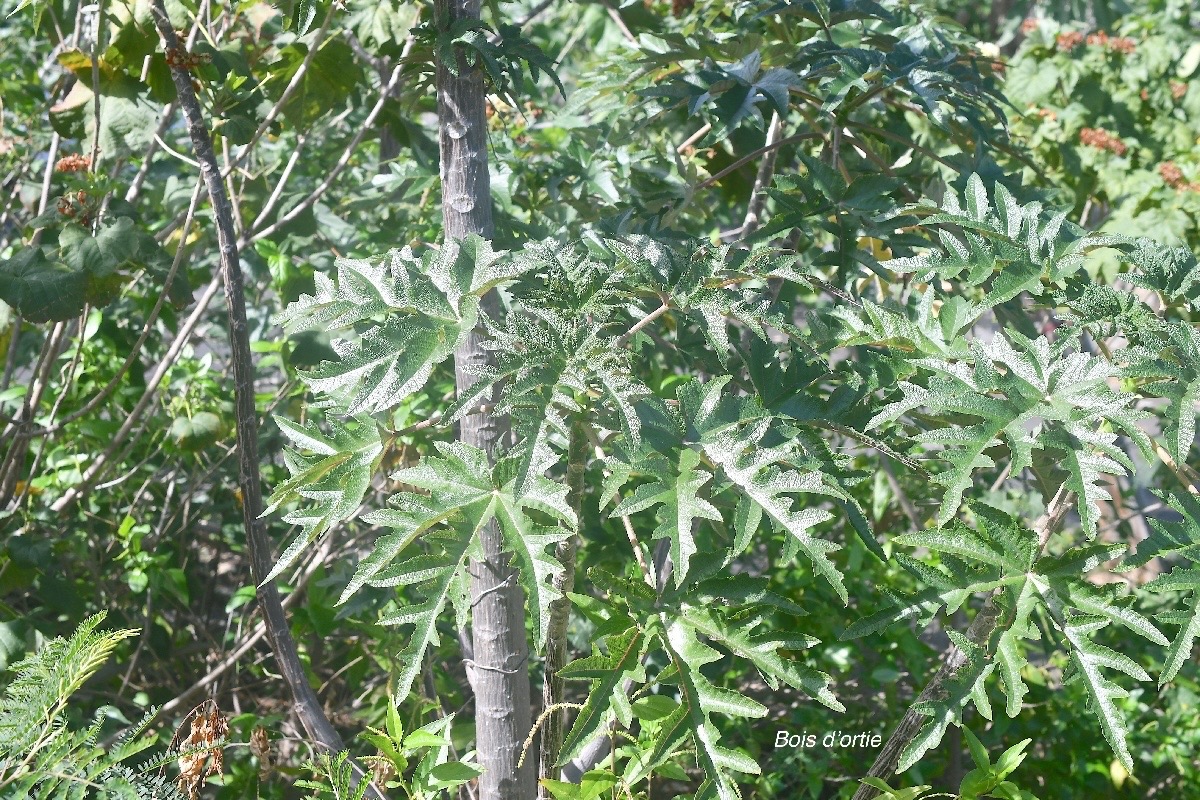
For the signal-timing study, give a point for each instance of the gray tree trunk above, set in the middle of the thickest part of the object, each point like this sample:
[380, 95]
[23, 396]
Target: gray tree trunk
[499, 663]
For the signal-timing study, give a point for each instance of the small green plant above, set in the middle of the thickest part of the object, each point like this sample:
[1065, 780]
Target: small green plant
[42, 757]
[417, 764]
[986, 780]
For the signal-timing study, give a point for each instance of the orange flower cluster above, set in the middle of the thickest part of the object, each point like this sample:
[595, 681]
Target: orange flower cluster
[1029, 25]
[1178, 89]
[1172, 176]
[1069, 40]
[75, 162]
[1102, 140]
[1118, 44]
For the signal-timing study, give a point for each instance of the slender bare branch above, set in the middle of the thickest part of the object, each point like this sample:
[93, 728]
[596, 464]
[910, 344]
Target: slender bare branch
[96, 468]
[307, 705]
[766, 171]
[643, 322]
[746, 159]
[560, 615]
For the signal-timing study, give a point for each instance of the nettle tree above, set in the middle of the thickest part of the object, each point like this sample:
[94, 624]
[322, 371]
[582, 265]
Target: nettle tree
[727, 405]
[754, 345]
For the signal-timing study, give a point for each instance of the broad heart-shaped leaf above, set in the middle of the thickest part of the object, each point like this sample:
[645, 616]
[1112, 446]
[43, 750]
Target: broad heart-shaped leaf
[1180, 538]
[41, 289]
[762, 649]
[330, 470]
[387, 364]
[1064, 396]
[45, 286]
[677, 493]
[460, 480]
[607, 695]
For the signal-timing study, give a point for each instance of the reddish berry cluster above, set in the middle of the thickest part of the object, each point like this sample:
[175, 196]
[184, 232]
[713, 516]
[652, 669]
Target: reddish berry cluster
[1029, 25]
[1178, 89]
[75, 162]
[1118, 44]
[1068, 40]
[1172, 176]
[1102, 140]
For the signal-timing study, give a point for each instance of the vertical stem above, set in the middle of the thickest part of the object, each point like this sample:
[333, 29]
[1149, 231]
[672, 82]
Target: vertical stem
[499, 668]
[560, 613]
[97, 49]
[21, 428]
[308, 706]
[766, 171]
[10, 360]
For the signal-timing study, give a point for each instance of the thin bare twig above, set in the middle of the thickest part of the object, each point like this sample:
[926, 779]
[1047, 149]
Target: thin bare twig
[643, 322]
[695, 137]
[249, 480]
[307, 705]
[251, 236]
[94, 470]
[746, 159]
[616, 18]
[766, 171]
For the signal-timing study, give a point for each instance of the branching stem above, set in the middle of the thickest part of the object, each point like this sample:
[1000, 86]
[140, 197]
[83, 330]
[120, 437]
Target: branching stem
[979, 632]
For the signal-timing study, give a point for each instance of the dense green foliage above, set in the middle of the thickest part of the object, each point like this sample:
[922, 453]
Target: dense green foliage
[810, 312]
